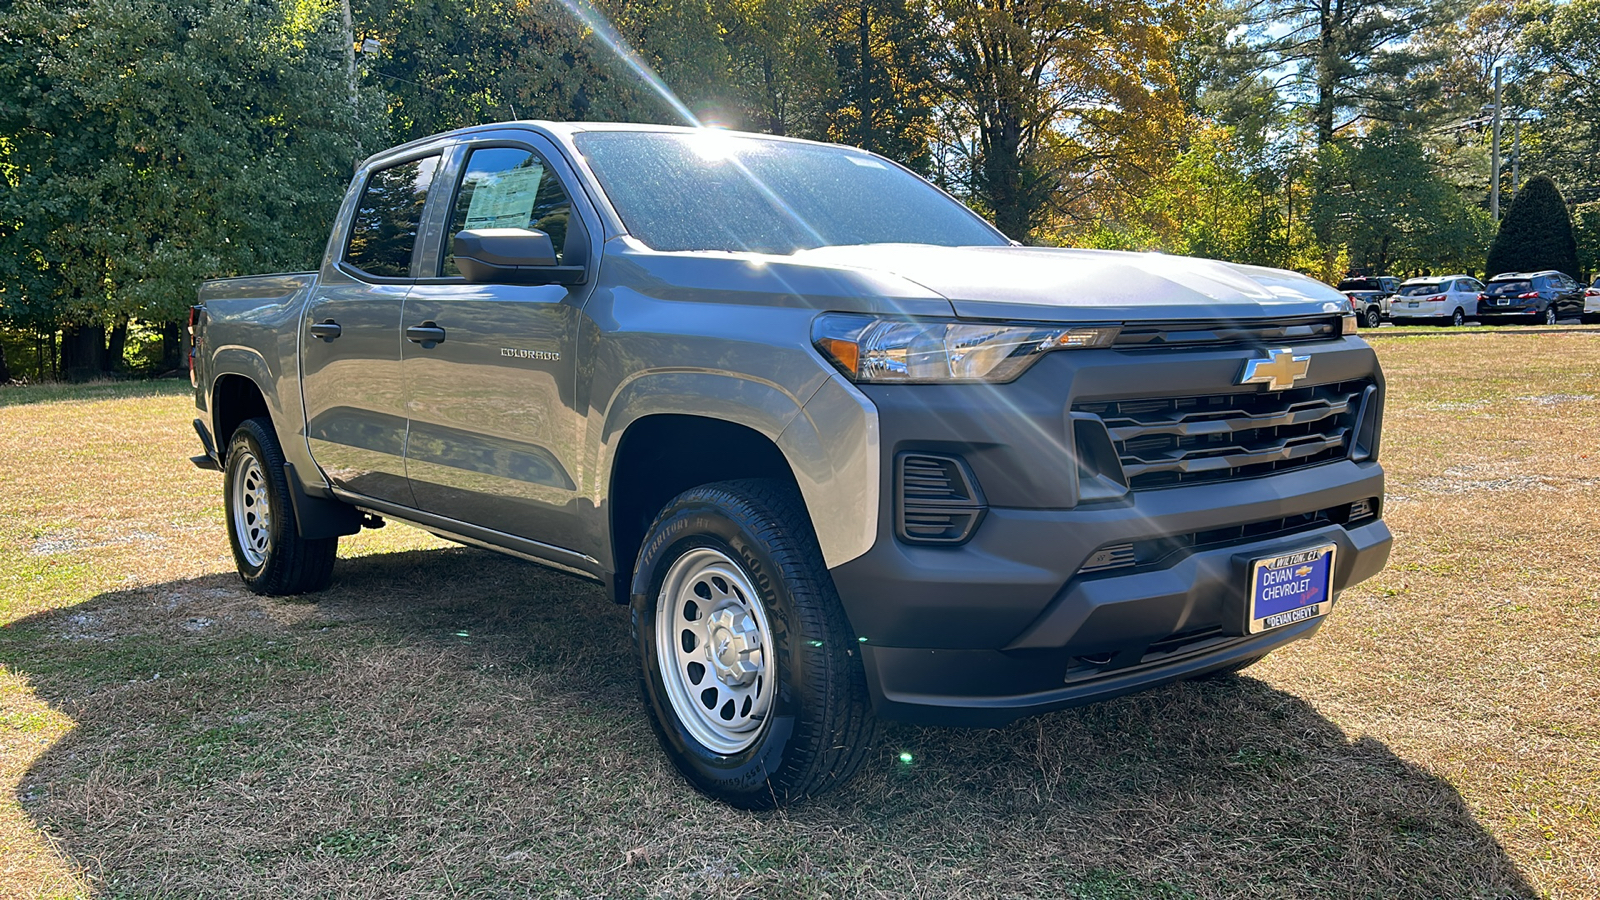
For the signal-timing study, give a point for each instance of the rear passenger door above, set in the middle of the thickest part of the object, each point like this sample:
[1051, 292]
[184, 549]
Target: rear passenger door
[496, 435]
[349, 340]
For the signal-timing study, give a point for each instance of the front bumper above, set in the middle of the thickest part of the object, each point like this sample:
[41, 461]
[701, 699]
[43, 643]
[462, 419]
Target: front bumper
[1006, 625]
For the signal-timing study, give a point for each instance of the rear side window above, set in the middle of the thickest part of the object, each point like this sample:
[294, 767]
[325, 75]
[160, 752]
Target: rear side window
[508, 187]
[384, 230]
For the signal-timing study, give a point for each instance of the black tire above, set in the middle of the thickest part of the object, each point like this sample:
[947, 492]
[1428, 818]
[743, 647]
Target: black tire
[1589, 319]
[1550, 316]
[1373, 318]
[818, 726]
[1458, 318]
[273, 560]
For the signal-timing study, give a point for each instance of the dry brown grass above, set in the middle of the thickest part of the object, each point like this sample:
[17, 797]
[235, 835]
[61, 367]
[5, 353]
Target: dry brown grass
[446, 722]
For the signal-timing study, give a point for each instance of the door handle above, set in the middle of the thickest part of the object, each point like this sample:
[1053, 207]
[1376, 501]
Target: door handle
[428, 334]
[327, 330]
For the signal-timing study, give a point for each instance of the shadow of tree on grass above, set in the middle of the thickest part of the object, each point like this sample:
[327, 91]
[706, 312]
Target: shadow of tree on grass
[451, 722]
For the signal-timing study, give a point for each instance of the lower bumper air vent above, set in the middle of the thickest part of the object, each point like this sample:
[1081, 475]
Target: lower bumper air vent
[937, 500]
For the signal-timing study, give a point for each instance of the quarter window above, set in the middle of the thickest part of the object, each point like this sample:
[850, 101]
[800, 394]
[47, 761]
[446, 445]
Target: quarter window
[384, 230]
[507, 187]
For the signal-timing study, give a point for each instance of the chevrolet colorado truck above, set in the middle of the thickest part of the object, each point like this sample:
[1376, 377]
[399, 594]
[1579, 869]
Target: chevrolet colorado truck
[848, 452]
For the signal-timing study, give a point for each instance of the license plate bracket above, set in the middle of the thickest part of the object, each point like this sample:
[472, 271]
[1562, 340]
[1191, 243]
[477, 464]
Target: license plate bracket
[1290, 587]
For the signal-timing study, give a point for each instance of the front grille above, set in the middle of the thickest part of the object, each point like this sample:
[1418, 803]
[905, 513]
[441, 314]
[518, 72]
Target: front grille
[1164, 442]
[1212, 334]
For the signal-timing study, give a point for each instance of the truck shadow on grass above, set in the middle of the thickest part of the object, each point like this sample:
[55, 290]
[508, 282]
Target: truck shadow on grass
[450, 723]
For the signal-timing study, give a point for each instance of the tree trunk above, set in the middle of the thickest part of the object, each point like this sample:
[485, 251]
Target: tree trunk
[83, 349]
[5, 370]
[1002, 165]
[172, 347]
[864, 98]
[116, 343]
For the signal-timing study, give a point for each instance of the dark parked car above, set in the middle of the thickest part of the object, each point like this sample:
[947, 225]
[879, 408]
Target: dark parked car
[1535, 297]
[1369, 297]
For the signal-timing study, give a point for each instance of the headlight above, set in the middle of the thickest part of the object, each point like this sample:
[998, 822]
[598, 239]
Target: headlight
[928, 351]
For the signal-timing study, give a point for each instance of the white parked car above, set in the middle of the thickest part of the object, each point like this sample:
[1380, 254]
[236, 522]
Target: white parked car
[1591, 303]
[1448, 299]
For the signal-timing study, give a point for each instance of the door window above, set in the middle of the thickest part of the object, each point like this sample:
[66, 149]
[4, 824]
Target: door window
[384, 230]
[507, 187]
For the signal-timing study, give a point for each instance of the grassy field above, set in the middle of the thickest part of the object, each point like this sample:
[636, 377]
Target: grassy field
[446, 722]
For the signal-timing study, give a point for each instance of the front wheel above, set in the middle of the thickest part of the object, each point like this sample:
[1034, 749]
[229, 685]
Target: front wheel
[748, 668]
[268, 550]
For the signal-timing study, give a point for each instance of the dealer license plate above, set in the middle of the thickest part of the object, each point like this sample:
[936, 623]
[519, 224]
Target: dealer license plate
[1290, 588]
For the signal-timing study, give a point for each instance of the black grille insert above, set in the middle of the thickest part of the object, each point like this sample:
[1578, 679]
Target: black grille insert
[1211, 334]
[1163, 442]
[1156, 553]
[938, 502]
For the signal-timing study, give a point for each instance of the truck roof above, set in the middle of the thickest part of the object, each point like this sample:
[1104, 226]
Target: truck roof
[567, 129]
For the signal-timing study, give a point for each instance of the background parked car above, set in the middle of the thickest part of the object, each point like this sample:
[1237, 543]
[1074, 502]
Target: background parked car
[1591, 303]
[1448, 299]
[1369, 297]
[1547, 297]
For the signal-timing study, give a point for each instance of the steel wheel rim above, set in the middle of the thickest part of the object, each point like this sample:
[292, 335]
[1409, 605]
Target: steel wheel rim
[714, 650]
[252, 511]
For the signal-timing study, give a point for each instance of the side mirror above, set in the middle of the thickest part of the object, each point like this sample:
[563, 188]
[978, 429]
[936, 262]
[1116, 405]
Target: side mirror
[511, 256]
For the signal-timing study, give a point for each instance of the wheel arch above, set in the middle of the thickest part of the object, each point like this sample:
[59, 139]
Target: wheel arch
[661, 455]
[234, 398]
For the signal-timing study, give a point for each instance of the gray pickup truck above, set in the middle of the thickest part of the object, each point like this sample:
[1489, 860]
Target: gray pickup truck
[848, 452]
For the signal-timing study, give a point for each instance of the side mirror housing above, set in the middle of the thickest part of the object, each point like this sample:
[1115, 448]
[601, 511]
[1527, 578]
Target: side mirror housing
[511, 256]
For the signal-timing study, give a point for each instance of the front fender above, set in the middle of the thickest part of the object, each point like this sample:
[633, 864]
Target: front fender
[829, 440]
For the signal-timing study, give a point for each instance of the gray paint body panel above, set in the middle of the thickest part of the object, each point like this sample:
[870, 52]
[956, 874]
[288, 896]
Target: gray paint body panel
[517, 451]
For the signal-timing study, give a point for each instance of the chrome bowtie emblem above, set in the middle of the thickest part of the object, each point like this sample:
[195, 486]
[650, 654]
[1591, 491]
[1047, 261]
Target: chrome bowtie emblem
[1280, 370]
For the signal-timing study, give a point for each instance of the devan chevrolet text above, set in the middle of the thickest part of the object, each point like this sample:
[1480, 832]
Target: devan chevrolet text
[848, 452]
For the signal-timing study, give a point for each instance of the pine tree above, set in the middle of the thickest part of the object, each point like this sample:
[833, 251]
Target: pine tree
[1536, 233]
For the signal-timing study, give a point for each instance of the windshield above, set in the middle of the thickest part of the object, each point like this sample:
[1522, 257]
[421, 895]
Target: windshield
[1510, 287]
[1421, 290]
[714, 190]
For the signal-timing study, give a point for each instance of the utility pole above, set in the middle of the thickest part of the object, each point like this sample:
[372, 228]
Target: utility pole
[351, 82]
[1494, 178]
[1516, 155]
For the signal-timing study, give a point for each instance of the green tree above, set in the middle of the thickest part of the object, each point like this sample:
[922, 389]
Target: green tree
[150, 144]
[1536, 233]
[1562, 47]
[1392, 210]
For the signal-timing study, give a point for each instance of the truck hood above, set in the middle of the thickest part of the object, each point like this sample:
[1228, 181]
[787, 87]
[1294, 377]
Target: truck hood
[1054, 284]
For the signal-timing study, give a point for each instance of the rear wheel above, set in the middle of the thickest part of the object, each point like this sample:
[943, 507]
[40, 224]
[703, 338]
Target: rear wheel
[1374, 319]
[1458, 318]
[748, 668]
[1589, 319]
[271, 556]
[1550, 315]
